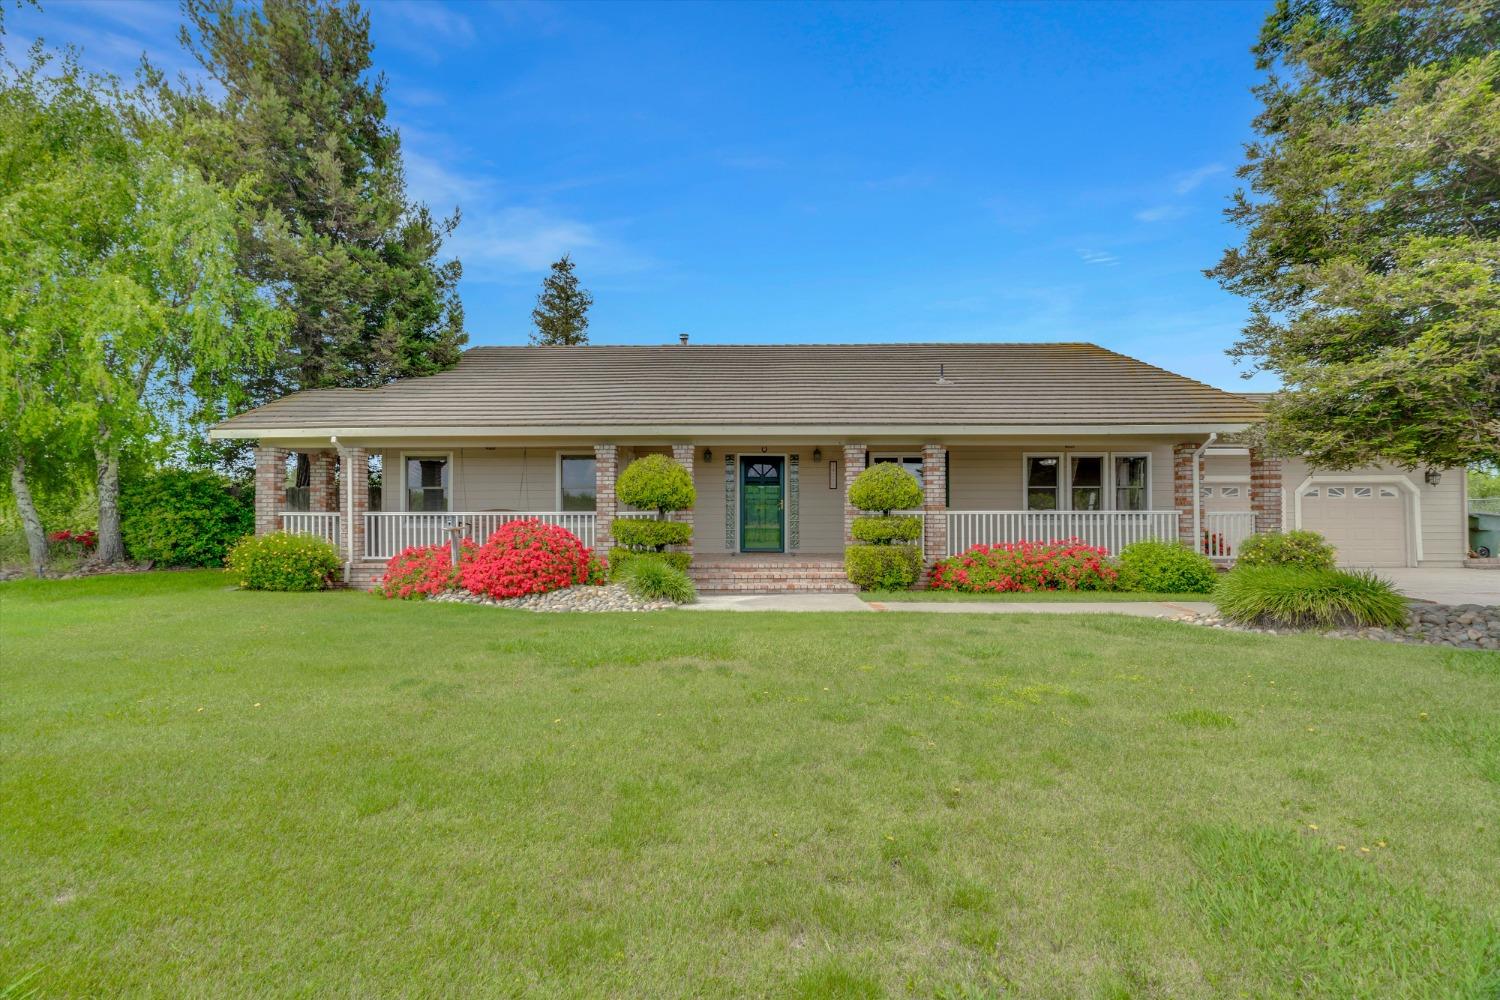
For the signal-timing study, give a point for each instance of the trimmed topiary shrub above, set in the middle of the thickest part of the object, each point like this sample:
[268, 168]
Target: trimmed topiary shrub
[654, 579]
[422, 571]
[527, 557]
[882, 567]
[177, 517]
[1165, 568]
[650, 536]
[886, 530]
[1302, 549]
[280, 561]
[620, 559]
[1024, 567]
[656, 482]
[1285, 596]
[884, 487]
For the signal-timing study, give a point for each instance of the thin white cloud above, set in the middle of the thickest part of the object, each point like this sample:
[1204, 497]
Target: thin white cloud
[1192, 179]
[1101, 257]
[431, 18]
[1160, 213]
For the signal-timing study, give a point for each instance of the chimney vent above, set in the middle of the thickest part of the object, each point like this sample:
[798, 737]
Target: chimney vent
[682, 338]
[943, 378]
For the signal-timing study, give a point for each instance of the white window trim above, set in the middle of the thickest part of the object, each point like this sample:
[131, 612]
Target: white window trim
[1106, 465]
[1065, 476]
[1413, 509]
[1130, 454]
[425, 453]
[1062, 478]
[557, 488]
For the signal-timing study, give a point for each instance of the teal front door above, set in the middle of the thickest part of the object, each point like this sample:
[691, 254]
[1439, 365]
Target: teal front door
[761, 503]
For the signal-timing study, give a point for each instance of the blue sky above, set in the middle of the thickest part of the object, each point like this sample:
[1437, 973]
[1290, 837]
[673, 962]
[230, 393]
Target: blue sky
[768, 173]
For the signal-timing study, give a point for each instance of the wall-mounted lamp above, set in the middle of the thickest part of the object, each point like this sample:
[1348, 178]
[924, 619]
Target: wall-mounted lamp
[762, 449]
[708, 454]
[817, 454]
[1433, 477]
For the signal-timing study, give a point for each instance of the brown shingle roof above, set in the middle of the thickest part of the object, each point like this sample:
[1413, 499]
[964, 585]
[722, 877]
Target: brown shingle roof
[784, 384]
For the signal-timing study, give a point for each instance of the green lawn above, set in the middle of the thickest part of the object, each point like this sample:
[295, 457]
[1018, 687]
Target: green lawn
[1035, 597]
[212, 793]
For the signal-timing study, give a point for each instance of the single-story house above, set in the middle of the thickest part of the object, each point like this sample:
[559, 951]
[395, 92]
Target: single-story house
[1009, 441]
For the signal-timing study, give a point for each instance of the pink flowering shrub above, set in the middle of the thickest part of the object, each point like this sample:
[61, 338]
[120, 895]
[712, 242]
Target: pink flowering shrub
[1024, 567]
[528, 557]
[422, 571]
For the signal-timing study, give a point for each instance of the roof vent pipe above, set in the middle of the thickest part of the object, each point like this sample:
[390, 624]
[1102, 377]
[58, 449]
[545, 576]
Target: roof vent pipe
[942, 378]
[682, 339]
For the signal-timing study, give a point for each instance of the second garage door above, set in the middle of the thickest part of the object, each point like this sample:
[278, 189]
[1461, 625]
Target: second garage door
[1366, 522]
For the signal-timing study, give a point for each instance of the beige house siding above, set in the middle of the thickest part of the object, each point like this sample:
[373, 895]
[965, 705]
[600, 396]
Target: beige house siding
[990, 478]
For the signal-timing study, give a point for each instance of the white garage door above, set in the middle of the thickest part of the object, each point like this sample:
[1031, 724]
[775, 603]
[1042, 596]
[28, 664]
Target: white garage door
[1366, 522]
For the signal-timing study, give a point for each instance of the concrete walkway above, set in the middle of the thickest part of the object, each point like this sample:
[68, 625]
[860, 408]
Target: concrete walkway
[1457, 585]
[849, 602]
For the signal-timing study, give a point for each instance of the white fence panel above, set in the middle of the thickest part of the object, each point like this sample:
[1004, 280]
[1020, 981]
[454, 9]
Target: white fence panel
[317, 523]
[1111, 530]
[388, 533]
[1224, 531]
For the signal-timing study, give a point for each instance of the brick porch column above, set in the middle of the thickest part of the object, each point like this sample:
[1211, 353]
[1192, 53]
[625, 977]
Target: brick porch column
[1265, 491]
[270, 488]
[606, 468]
[682, 454]
[1182, 491]
[322, 491]
[356, 480]
[934, 503]
[854, 464]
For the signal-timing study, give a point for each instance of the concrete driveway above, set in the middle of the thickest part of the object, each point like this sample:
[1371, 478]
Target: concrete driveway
[1447, 586]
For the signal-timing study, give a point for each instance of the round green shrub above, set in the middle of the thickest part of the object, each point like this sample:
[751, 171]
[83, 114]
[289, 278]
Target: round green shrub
[654, 579]
[1165, 568]
[884, 487]
[650, 535]
[620, 559]
[177, 517]
[656, 482]
[280, 561]
[882, 567]
[1303, 549]
[1286, 596]
[885, 530]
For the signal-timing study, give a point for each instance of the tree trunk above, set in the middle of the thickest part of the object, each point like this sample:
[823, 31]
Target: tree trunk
[111, 546]
[36, 539]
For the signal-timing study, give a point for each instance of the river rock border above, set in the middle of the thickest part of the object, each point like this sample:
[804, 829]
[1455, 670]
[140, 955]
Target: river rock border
[1461, 626]
[611, 597]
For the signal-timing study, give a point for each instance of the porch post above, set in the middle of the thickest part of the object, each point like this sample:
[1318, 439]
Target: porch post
[270, 488]
[1265, 491]
[854, 464]
[322, 491]
[1182, 492]
[934, 503]
[606, 462]
[356, 501]
[682, 454]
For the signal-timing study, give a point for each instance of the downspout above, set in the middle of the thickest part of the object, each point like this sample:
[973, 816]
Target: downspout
[348, 505]
[1198, 493]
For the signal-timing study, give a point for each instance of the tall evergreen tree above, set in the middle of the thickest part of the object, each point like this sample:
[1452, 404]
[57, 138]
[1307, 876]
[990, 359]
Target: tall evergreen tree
[331, 234]
[1372, 230]
[562, 309]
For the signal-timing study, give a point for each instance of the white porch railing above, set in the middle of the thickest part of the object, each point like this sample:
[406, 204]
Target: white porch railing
[388, 533]
[1111, 530]
[1224, 531]
[318, 523]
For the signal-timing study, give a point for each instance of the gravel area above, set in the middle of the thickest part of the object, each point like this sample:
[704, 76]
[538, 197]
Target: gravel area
[611, 597]
[1464, 626]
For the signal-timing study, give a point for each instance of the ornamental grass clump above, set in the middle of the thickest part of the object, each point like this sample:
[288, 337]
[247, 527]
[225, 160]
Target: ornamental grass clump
[1288, 597]
[884, 558]
[282, 561]
[1025, 567]
[652, 578]
[1301, 549]
[656, 483]
[527, 557]
[1165, 568]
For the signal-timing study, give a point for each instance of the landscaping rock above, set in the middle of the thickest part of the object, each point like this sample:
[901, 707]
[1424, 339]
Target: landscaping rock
[613, 597]
[1464, 626]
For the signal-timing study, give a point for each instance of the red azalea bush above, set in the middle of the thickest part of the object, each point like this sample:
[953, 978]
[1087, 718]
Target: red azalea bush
[1069, 564]
[528, 557]
[422, 571]
[85, 540]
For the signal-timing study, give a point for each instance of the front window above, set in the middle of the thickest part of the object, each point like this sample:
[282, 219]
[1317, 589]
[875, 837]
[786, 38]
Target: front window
[427, 484]
[1043, 482]
[1086, 481]
[577, 478]
[1130, 482]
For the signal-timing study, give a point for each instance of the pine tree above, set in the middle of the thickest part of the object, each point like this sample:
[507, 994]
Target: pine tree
[562, 309]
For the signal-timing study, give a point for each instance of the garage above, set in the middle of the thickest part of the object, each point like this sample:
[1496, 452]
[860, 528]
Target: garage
[1366, 522]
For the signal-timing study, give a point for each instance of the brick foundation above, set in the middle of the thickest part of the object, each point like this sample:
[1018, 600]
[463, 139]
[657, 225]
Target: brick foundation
[1265, 491]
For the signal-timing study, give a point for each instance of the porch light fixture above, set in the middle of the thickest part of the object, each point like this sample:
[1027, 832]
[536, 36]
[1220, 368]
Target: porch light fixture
[708, 454]
[1433, 477]
[817, 454]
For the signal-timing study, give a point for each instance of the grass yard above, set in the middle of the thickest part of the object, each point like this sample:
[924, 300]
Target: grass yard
[213, 793]
[1035, 597]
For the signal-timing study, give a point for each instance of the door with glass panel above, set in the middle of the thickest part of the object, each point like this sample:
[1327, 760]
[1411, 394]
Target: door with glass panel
[761, 504]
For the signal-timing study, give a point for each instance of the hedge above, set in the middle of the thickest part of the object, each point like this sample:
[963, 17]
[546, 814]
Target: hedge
[882, 567]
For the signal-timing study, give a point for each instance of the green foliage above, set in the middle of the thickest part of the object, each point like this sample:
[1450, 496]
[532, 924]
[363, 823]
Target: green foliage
[562, 309]
[280, 561]
[1372, 231]
[1303, 549]
[621, 558]
[650, 535]
[1484, 483]
[885, 530]
[1303, 598]
[884, 487]
[177, 517]
[298, 121]
[883, 567]
[656, 482]
[1165, 567]
[654, 579]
